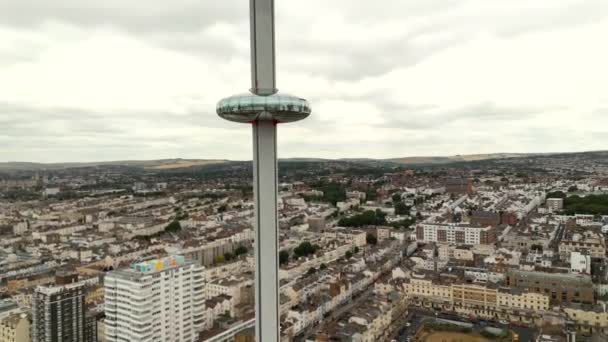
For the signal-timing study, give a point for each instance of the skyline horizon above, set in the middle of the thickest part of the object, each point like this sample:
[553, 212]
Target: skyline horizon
[304, 157]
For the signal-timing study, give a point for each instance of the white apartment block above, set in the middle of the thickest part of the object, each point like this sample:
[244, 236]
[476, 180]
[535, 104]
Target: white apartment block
[580, 262]
[555, 204]
[156, 300]
[459, 233]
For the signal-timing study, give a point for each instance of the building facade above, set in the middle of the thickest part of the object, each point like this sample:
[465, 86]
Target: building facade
[458, 185]
[458, 233]
[156, 300]
[555, 204]
[595, 247]
[485, 218]
[560, 287]
[477, 300]
[15, 328]
[58, 313]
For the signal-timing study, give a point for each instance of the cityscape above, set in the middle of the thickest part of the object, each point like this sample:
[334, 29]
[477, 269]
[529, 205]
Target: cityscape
[404, 171]
[498, 247]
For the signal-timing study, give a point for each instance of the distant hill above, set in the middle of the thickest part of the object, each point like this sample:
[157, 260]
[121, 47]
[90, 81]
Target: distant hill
[161, 164]
[178, 163]
[456, 158]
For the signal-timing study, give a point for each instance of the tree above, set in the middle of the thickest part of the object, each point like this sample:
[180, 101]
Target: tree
[405, 224]
[283, 257]
[401, 208]
[304, 249]
[573, 188]
[222, 208]
[557, 194]
[419, 215]
[311, 271]
[348, 254]
[366, 218]
[322, 266]
[228, 256]
[371, 194]
[371, 239]
[356, 249]
[396, 197]
[240, 250]
[174, 226]
[590, 204]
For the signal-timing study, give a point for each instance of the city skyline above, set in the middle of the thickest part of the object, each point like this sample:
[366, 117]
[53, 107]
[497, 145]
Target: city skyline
[114, 81]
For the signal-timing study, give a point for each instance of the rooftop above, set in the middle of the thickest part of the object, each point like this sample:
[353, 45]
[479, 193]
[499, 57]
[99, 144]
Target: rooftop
[157, 265]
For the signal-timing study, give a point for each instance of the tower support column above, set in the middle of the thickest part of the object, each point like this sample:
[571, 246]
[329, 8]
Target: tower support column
[266, 231]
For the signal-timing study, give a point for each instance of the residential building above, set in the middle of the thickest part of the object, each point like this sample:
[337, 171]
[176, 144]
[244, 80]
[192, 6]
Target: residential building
[580, 262]
[589, 318]
[206, 254]
[459, 233]
[8, 307]
[458, 186]
[595, 246]
[58, 313]
[555, 204]
[560, 287]
[155, 300]
[15, 328]
[485, 218]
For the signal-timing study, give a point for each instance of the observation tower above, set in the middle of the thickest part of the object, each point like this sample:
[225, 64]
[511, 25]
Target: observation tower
[264, 108]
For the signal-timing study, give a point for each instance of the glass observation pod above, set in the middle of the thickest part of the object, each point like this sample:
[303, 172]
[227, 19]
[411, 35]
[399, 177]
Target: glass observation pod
[248, 107]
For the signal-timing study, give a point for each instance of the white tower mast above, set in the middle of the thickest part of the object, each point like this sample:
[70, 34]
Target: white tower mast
[264, 108]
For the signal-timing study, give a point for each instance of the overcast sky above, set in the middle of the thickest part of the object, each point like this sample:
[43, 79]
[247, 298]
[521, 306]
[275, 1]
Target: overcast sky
[125, 79]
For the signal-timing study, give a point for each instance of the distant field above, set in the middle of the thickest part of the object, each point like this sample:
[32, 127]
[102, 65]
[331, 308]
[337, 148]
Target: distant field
[184, 163]
[446, 336]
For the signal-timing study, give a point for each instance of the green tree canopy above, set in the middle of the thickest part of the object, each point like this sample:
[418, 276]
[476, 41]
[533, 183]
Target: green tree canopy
[228, 256]
[283, 257]
[240, 250]
[401, 208]
[304, 249]
[371, 239]
[396, 197]
[557, 194]
[174, 226]
[366, 218]
[591, 204]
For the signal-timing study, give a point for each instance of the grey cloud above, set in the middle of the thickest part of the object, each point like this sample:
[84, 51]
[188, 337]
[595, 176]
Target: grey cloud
[572, 15]
[428, 117]
[53, 124]
[348, 59]
[135, 16]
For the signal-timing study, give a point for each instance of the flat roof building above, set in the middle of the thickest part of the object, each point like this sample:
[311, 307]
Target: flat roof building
[155, 300]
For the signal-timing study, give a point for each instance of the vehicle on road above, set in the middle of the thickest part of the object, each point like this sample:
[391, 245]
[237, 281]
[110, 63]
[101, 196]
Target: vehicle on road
[502, 321]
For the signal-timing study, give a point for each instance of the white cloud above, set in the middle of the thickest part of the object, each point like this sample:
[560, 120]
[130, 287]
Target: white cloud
[82, 81]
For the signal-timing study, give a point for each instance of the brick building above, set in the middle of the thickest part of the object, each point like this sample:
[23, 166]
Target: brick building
[560, 287]
[485, 218]
[459, 186]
